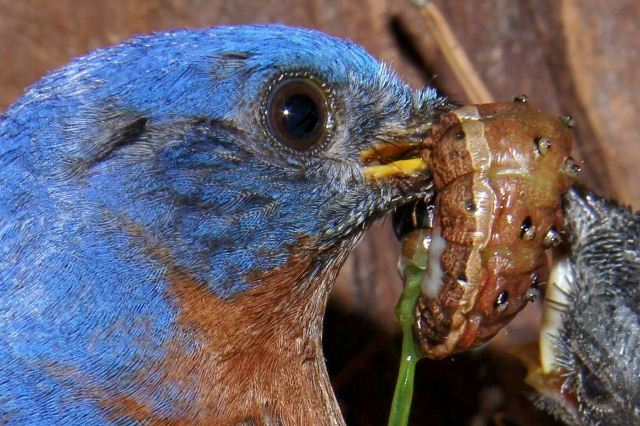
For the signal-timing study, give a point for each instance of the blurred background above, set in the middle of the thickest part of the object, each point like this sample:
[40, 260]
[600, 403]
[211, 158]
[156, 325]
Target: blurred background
[568, 56]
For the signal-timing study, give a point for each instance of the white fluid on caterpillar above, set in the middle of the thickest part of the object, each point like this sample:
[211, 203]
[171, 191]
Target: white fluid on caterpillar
[433, 278]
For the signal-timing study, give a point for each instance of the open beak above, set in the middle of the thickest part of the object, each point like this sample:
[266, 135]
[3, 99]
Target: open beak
[549, 385]
[395, 159]
[540, 358]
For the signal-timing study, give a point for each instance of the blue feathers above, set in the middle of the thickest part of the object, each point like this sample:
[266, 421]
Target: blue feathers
[149, 159]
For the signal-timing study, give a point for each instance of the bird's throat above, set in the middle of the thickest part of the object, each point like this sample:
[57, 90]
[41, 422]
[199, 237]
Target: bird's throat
[255, 359]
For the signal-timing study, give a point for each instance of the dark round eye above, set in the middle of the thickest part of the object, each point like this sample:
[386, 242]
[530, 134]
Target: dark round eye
[592, 391]
[592, 387]
[297, 113]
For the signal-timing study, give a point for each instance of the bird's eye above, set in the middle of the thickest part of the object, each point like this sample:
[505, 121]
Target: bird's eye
[297, 113]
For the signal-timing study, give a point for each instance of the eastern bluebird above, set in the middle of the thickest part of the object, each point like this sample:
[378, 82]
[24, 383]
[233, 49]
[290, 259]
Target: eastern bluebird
[174, 211]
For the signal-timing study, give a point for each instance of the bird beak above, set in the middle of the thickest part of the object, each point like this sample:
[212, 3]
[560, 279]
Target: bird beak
[540, 358]
[395, 160]
[549, 386]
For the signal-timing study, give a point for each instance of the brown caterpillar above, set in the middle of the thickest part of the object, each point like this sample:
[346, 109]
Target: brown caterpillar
[499, 172]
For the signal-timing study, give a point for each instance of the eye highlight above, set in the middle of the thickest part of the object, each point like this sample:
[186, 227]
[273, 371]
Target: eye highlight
[297, 113]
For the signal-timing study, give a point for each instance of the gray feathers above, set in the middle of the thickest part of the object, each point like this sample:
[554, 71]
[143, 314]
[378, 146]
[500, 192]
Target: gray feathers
[599, 344]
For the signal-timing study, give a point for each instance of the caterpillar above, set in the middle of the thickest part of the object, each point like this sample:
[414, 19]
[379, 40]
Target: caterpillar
[499, 172]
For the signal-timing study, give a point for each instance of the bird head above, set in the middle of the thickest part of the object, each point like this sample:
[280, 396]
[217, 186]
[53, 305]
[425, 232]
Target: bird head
[230, 147]
[588, 367]
[197, 186]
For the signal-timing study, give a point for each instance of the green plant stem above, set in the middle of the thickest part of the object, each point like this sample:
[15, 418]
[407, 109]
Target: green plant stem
[405, 312]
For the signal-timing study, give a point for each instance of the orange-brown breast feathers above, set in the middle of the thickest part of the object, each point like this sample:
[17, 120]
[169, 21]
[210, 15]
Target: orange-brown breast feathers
[499, 171]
